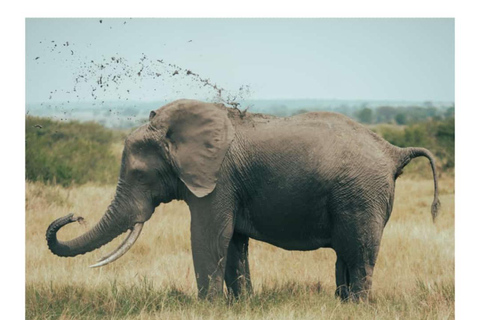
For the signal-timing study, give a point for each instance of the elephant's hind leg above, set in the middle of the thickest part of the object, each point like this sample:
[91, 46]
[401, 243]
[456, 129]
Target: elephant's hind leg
[237, 273]
[342, 279]
[356, 242]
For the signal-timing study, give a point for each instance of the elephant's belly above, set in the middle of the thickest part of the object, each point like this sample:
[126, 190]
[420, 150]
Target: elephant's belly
[299, 229]
[300, 245]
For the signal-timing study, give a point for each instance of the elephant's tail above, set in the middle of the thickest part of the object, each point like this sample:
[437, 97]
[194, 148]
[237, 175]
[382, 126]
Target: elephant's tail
[413, 152]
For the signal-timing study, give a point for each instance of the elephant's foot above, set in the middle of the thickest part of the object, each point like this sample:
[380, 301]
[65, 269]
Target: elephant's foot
[342, 293]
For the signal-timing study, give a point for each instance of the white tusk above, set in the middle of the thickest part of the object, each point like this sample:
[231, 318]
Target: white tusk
[121, 245]
[123, 248]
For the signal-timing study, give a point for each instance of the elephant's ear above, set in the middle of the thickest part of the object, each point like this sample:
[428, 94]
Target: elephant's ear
[198, 136]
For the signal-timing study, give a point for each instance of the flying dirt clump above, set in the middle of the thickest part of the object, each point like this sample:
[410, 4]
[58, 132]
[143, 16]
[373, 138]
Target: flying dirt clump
[116, 76]
[230, 100]
[116, 70]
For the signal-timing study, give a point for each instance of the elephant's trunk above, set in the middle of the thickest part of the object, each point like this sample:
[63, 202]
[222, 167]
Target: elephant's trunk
[108, 228]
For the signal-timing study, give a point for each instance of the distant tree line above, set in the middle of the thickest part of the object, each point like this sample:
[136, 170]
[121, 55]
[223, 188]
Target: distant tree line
[402, 115]
[376, 115]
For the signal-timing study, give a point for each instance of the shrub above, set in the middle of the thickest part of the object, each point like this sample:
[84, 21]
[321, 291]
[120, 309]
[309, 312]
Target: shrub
[365, 115]
[401, 119]
[67, 153]
[437, 136]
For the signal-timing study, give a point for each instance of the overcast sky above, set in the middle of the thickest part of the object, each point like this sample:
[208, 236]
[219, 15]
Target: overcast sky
[373, 59]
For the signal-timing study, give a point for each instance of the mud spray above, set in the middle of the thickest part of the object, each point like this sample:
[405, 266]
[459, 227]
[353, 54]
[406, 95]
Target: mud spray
[116, 76]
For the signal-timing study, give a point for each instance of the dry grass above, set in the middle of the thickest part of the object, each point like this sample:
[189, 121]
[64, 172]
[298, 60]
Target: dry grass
[414, 275]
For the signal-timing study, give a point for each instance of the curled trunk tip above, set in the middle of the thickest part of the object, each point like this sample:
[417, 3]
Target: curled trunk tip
[51, 234]
[103, 232]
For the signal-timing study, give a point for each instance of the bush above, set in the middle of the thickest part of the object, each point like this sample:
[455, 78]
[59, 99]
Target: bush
[67, 153]
[365, 115]
[437, 136]
[401, 119]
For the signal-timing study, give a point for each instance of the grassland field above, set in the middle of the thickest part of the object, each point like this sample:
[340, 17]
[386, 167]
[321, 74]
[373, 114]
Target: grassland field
[413, 278]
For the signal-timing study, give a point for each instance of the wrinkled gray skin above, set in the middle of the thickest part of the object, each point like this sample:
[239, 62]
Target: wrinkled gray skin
[316, 180]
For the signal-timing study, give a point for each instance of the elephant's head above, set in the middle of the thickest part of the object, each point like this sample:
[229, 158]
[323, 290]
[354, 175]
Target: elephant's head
[179, 151]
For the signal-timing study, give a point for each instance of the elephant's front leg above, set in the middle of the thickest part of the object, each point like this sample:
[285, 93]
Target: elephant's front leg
[237, 273]
[211, 233]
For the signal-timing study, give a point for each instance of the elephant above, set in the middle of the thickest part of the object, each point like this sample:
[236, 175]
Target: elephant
[309, 181]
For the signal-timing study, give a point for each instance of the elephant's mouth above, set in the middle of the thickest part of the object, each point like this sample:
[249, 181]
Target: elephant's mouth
[126, 244]
[156, 200]
[122, 248]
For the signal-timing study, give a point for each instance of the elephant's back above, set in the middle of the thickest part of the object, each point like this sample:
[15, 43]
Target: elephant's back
[320, 143]
[327, 132]
[332, 122]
